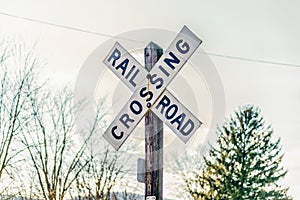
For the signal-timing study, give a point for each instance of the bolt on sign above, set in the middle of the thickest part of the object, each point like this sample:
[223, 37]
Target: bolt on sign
[150, 89]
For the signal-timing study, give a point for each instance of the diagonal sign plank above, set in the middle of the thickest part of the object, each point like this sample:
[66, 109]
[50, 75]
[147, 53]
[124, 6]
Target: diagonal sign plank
[125, 67]
[132, 73]
[178, 118]
[151, 88]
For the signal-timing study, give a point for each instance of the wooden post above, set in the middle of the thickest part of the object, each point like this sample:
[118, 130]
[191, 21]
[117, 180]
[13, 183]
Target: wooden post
[153, 136]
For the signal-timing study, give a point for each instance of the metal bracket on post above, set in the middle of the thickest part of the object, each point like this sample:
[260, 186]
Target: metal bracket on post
[141, 170]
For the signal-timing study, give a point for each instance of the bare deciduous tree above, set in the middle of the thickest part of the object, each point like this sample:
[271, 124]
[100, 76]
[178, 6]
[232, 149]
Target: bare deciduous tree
[100, 177]
[183, 169]
[17, 72]
[42, 155]
[57, 153]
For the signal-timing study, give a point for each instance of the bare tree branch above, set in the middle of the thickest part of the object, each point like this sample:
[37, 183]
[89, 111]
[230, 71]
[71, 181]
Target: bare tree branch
[17, 71]
[57, 154]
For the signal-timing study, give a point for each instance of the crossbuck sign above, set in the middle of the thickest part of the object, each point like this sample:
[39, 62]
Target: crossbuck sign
[149, 89]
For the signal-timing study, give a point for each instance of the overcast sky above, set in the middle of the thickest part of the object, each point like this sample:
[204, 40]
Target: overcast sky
[232, 31]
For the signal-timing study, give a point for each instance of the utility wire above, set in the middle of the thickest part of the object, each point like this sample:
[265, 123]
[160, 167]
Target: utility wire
[111, 36]
[67, 27]
[254, 60]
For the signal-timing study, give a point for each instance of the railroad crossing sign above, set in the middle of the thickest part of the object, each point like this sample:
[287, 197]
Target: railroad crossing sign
[150, 89]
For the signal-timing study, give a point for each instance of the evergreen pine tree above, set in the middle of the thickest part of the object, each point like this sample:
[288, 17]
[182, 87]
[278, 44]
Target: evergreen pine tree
[245, 163]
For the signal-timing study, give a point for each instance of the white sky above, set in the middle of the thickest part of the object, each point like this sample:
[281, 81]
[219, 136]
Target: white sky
[264, 30]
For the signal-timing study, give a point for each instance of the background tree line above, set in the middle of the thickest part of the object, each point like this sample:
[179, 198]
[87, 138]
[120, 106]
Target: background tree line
[41, 156]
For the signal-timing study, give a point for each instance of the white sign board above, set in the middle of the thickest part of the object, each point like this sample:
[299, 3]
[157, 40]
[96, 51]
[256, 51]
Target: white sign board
[148, 89]
[176, 116]
[151, 198]
[125, 66]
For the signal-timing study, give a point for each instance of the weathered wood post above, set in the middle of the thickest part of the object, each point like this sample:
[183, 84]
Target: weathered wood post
[153, 136]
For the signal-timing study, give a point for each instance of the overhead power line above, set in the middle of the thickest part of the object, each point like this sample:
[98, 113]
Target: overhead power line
[65, 27]
[254, 60]
[127, 39]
